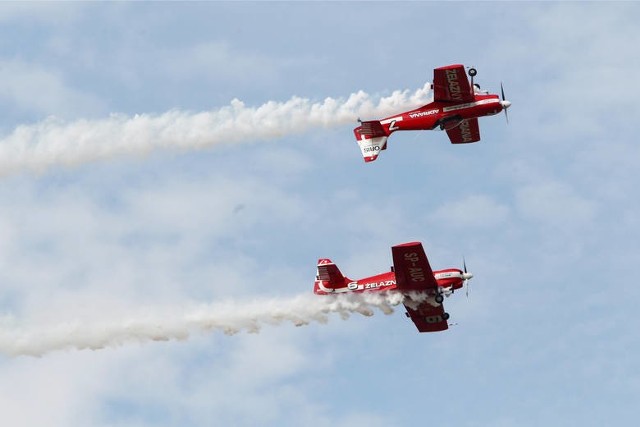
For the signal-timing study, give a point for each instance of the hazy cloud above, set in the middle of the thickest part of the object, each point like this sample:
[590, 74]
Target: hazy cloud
[42, 91]
[472, 211]
[556, 204]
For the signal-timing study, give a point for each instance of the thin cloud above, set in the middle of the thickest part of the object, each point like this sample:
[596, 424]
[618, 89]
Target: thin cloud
[472, 211]
[33, 88]
[555, 203]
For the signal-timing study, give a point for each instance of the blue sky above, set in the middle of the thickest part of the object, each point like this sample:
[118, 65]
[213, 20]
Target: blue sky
[544, 209]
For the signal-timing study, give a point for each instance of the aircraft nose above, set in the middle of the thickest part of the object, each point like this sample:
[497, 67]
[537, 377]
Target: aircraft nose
[467, 276]
[505, 104]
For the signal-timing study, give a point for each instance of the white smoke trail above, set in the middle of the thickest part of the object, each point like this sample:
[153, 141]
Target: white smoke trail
[52, 142]
[229, 318]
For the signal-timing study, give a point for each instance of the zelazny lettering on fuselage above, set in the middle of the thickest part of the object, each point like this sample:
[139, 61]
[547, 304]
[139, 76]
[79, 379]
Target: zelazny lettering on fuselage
[373, 285]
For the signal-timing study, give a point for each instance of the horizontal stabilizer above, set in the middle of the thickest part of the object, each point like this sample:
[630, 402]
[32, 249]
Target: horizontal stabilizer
[372, 129]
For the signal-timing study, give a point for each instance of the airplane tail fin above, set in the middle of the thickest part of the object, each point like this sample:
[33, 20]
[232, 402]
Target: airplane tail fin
[329, 279]
[372, 138]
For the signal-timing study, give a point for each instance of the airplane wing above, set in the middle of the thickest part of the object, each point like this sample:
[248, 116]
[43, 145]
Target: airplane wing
[450, 84]
[413, 272]
[428, 318]
[467, 131]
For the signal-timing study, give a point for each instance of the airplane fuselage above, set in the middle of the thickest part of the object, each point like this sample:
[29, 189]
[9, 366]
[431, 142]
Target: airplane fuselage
[443, 114]
[448, 280]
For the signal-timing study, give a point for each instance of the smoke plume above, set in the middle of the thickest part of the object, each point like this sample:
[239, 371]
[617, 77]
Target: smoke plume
[229, 318]
[52, 142]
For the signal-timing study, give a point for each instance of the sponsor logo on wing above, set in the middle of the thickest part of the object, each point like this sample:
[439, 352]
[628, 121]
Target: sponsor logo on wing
[434, 319]
[423, 113]
[465, 131]
[454, 85]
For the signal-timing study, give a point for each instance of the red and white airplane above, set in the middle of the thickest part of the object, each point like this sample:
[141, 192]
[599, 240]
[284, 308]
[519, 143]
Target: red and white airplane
[456, 106]
[411, 274]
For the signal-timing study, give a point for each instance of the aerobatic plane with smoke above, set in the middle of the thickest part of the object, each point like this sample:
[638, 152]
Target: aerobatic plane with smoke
[410, 275]
[456, 107]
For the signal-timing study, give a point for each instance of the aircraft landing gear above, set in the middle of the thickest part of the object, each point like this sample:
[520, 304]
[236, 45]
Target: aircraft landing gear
[472, 72]
[439, 298]
[446, 316]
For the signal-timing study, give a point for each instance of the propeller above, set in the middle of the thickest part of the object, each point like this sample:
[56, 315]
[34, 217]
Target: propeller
[466, 275]
[505, 104]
